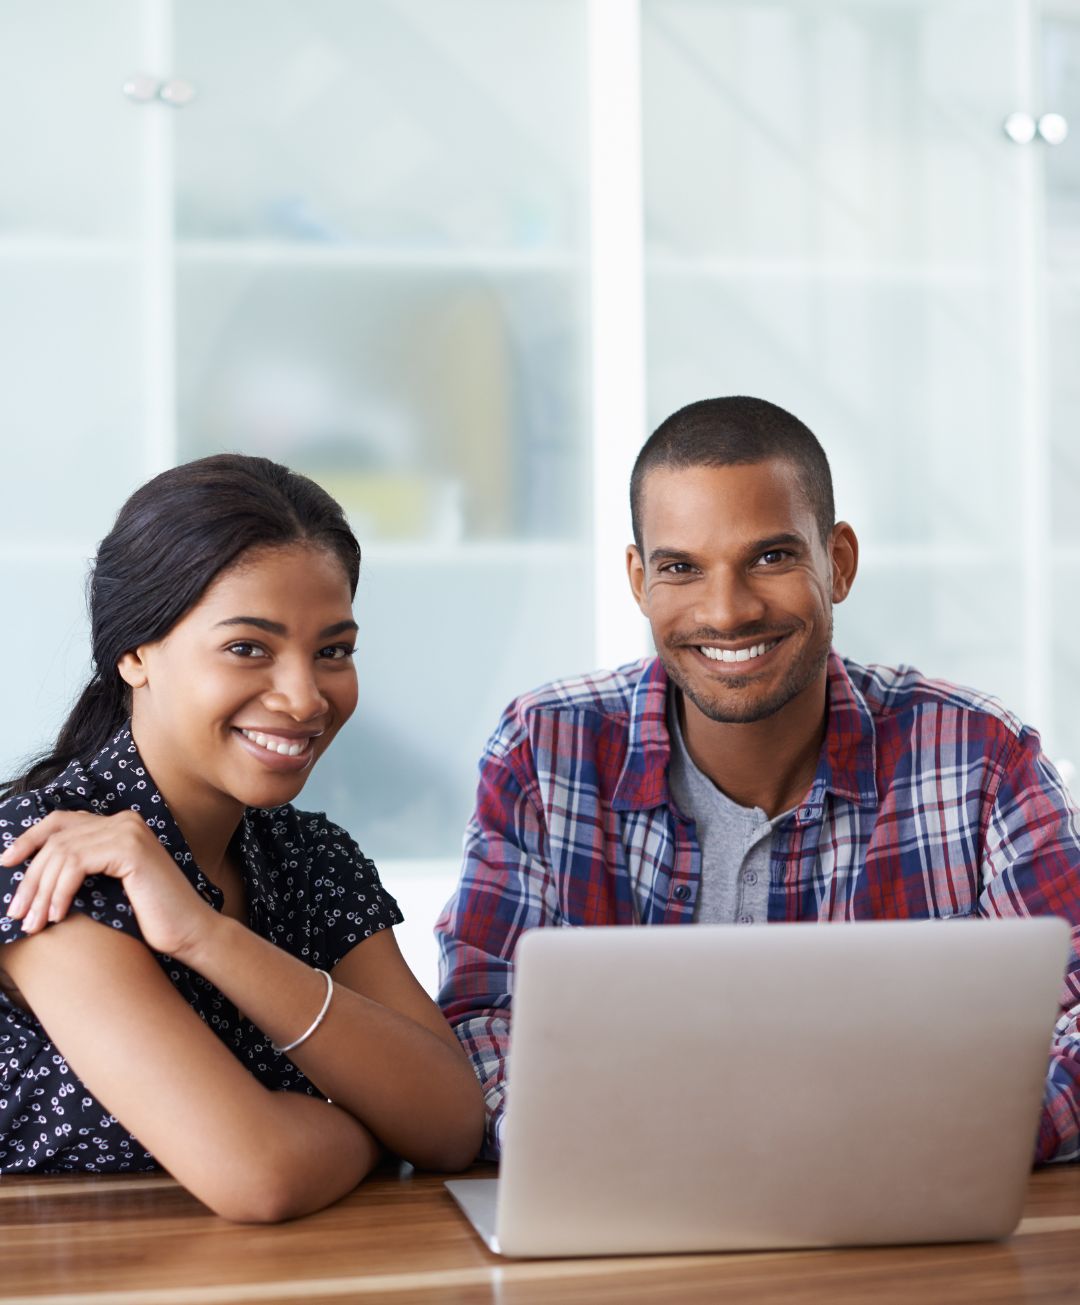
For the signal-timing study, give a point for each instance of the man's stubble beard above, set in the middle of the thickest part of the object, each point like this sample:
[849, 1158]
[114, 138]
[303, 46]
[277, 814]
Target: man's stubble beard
[800, 676]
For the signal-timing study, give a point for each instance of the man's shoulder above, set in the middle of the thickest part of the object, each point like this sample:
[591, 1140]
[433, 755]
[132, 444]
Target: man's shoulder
[898, 693]
[597, 699]
[608, 692]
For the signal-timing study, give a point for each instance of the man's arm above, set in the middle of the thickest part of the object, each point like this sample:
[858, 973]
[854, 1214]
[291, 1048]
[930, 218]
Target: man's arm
[507, 885]
[1031, 866]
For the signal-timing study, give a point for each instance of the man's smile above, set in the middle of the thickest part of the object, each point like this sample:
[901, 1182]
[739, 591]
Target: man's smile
[724, 653]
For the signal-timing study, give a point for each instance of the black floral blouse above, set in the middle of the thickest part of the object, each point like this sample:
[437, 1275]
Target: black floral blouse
[309, 889]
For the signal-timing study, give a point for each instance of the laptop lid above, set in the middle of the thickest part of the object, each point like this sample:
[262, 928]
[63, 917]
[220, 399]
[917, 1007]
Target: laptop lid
[721, 1087]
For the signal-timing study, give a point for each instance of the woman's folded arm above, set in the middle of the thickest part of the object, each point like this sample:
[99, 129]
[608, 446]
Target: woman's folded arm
[383, 1051]
[248, 1153]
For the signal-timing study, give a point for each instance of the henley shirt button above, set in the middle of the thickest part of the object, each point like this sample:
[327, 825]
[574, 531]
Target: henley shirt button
[750, 877]
[746, 919]
[682, 892]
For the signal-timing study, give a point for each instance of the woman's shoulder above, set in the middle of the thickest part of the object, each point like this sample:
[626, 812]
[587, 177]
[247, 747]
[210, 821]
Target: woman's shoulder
[326, 856]
[18, 812]
[285, 830]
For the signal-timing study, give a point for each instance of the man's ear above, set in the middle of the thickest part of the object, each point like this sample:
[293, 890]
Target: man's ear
[844, 555]
[132, 669]
[635, 571]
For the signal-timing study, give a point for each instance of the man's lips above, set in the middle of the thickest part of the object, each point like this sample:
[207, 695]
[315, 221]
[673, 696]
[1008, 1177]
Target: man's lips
[742, 656]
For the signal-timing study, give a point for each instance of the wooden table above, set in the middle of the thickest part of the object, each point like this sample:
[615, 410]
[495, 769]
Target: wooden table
[400, 1238]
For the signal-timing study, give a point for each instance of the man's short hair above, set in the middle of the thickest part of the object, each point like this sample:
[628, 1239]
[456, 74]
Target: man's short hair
[734, 431]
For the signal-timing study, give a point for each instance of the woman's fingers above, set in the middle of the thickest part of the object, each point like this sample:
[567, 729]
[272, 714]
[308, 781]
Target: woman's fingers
[52, 875]
[63, 895]
[43, 873]
[35, 838]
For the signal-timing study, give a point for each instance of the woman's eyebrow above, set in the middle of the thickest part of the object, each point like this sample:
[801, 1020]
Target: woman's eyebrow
[271, 627]
[275, 627]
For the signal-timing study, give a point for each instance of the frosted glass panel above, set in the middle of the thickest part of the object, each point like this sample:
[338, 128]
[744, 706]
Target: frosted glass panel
[68, 137]
[1061, 164]
[1060, 93]
[438, 405]
[46, 668]
[390, 122]
[1064, 404]
[1064, 737]
[442, 649]
[382, 281]
[942, 623]
[853, 131]
[908, 385]
[70, 402]
[835, 222]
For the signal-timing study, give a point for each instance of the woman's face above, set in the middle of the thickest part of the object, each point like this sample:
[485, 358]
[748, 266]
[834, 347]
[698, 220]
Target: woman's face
[237, 702]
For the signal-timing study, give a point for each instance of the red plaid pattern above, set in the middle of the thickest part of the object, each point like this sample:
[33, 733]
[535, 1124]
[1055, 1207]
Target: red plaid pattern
[928, 801]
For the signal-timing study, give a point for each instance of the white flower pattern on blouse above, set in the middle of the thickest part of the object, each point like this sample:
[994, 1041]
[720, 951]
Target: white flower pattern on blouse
[309, 889]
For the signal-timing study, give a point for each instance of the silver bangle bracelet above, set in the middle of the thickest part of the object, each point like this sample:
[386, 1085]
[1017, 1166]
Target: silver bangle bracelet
[318, 1018]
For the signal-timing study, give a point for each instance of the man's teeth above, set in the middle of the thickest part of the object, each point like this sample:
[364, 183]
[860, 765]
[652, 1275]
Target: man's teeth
[274, 745]
[738, 654]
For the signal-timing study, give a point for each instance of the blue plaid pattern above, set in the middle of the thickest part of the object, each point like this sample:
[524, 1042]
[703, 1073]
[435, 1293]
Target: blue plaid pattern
[928, 801]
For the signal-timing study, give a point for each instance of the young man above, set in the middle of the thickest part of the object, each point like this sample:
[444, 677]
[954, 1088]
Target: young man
[748, 773]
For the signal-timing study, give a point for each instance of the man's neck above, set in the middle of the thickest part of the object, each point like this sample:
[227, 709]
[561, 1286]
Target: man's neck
[767, 763]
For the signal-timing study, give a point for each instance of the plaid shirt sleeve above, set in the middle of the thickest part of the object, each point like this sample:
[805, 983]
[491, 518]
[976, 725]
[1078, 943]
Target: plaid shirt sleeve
[506, 886]
[1031, 866]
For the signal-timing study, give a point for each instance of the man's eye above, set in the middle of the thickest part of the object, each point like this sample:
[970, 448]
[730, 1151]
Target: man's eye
[676, 568]
[246, 650]
[337, 652]
[774, 556]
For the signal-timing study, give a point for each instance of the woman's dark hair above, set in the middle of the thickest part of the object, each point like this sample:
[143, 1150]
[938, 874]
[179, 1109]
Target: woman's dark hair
[171, 539]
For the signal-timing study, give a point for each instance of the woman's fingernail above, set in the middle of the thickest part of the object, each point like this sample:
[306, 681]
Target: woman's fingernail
[30, 922]
[54, 914]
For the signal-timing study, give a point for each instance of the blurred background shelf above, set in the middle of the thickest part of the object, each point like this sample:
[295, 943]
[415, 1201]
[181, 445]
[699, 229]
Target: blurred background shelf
[391, 257]
[688, 267]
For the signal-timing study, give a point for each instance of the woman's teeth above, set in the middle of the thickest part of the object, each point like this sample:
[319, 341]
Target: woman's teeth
[738, 654]
[285, 747]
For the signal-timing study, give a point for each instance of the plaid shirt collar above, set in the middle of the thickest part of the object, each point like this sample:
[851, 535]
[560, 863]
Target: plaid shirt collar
[847, 766]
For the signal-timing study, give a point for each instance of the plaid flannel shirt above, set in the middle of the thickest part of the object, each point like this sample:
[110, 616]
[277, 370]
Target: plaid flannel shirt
[928, 801]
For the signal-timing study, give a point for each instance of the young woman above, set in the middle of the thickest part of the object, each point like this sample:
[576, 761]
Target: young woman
[196, 975]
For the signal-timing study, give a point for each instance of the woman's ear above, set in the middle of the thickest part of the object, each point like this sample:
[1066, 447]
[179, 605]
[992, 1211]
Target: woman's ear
[132, 669]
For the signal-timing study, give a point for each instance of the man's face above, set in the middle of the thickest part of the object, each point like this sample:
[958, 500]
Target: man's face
[738, 586]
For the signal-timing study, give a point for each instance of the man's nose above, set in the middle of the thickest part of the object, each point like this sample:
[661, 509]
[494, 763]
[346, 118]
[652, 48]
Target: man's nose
[727, 601]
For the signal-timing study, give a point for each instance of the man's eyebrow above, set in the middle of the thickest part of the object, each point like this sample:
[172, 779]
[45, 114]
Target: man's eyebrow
[275, 627]
[669, 555]
[786, 540]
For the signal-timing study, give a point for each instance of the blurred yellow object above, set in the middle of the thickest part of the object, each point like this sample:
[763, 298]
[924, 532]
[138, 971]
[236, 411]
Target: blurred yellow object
[395, 505]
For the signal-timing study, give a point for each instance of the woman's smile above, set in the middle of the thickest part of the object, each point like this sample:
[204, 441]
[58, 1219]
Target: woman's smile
[280, 751]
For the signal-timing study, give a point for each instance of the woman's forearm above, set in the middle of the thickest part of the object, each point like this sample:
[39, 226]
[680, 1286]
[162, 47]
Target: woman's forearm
[414, 1090]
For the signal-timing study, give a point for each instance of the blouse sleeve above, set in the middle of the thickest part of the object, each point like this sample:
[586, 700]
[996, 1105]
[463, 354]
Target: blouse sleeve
[346, 890]
[101, 898]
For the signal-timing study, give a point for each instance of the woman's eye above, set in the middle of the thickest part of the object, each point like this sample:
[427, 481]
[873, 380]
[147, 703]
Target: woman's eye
[246, 650]
[337, 652]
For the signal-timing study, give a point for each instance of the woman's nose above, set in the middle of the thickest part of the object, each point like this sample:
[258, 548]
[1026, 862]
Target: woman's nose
[296, 693]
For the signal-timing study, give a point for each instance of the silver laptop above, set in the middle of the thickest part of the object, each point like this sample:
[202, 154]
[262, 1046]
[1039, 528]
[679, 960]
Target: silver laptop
[729, 1088]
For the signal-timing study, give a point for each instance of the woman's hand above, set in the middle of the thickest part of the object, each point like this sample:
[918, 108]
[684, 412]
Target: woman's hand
[68, 846]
